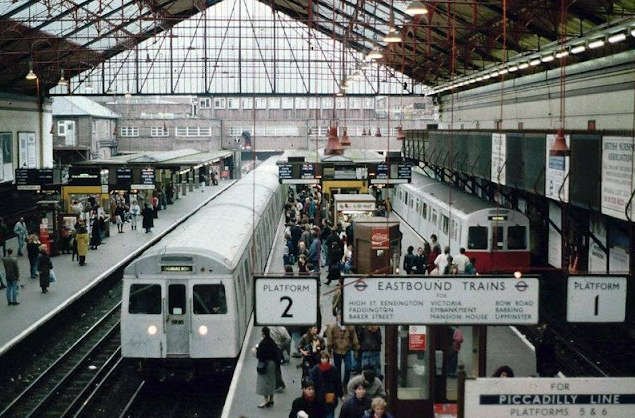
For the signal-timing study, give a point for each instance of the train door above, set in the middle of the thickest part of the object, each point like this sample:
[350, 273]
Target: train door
[177, 326]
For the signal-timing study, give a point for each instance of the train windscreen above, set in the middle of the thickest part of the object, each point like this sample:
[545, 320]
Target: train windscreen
[209, 299]
[145, 299]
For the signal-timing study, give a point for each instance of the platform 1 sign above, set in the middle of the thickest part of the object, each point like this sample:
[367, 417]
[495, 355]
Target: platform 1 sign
[596, 299]
[549, 397]
[286, 300]
[441, 300]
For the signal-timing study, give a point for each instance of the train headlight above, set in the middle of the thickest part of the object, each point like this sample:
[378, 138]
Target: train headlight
[202, 330]
[152, 330]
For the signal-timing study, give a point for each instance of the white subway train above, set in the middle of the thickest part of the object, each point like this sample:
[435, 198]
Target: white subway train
[498, 238]
[188, 299]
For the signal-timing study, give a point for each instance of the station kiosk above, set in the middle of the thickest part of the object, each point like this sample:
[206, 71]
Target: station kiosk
[378, 243]
[349, 207]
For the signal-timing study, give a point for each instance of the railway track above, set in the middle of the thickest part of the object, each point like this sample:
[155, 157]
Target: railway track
[61, 389]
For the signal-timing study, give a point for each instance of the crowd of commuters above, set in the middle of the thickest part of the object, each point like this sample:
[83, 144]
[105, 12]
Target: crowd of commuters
[88, 233]
[430, 260]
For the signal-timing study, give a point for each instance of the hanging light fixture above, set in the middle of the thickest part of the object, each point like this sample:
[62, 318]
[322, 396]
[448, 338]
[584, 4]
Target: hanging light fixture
[346, 141]
[375, 54]
[378, 132]
[416, 8]
[559, 147]
[88, 87]
[333, 146]
[31, 75]
[62, 81]
[392, 36]
[400, 135]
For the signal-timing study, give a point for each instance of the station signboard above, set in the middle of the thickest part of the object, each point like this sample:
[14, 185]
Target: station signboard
[549, 397]
[596, 299]
[404, 171]
[284, 300]
[146, 180]
[84, 176]
[124, 176]
[307, 171]
[285, 171]
[33, 178]
[460, 300]
[381, 171]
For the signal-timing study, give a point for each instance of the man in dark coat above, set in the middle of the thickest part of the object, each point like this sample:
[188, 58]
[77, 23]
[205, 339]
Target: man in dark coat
[312, 405]
[148, 218]
[12, 271]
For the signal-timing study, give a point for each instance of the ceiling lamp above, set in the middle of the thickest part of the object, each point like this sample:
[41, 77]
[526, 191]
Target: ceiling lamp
[375, 54]
[618, 37]
[333, 146]
[562, 54]
[578, 49]
[128, 95]
[547, 58]
[416, 8]
[513, 68]
[31, 75]
[400, 135]
[392, 36]
[378, 132]
[596, 44]
[62, 81]
[559, 147]
[523, 65]
[534, 62]
[346, 141]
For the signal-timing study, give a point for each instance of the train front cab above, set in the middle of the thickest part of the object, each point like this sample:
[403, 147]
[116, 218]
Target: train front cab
[178, 326]
[418, 379]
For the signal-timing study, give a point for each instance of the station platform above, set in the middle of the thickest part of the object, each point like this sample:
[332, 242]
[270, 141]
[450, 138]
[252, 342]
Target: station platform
[73, 280]
[505, 346]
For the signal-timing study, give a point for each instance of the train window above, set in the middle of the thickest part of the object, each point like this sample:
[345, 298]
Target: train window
[434, 217]
[477, 238]
[424, 210]
[145, 299]
[516, 238]
[445, 221]
[209, 299]
[417, 206]
[246, 273]
[176, 299]
[497, 237]
[405, 199]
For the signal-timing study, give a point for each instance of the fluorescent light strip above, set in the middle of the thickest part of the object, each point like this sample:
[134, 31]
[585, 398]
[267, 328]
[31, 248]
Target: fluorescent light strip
[578, 49]
[562, 54]
[513, 68]
[523, 65]
[534, 62]
[618, 37]
[547, 58]
[596, 44]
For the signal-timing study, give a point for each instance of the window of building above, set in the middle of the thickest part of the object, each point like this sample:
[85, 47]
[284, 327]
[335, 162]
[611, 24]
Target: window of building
[261, 102]
[235, 130]
[129, 131]
[300, 103]
[287, 102]
[477, 238]
[369, 103]
[327, 103]
[233, 103]
[209, 299]
[145, 299]
[353, 103]
[274, 103]
[159, 131]
[340, 103]
[247, 102]
[219, 103]
[313, 103]
[205, 103]
[193, 131]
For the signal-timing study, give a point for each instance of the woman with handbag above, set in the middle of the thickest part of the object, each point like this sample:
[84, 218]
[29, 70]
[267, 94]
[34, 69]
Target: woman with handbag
[326, 378]
[268, 355]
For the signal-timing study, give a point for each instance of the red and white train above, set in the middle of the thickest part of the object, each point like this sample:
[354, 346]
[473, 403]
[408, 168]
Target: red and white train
[498, 238]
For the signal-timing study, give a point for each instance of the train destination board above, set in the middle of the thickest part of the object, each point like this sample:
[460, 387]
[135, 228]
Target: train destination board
[440, 300]
[33, 178]
[287, 301]
[549, 397]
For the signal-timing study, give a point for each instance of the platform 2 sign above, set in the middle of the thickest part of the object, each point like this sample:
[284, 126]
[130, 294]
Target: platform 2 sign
[286, 300]
[550, 397]
[460, 300]
[596, 299]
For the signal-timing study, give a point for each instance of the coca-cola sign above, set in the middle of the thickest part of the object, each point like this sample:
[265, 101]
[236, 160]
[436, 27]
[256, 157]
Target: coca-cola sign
[380, 238]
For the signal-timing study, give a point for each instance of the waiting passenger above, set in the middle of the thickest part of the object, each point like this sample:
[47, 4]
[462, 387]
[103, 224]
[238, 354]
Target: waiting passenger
[378, 407]
[148, 218]
[503, 371]
[356, 406]
[368, 378]
[311, 405]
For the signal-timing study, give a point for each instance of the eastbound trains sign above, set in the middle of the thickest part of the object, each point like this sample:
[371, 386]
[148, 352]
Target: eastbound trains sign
[440, 300]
